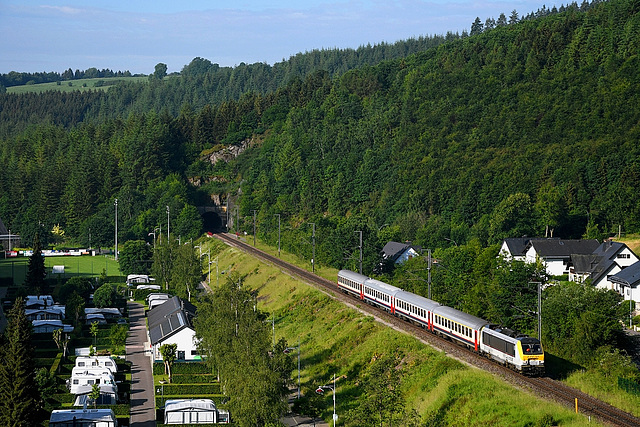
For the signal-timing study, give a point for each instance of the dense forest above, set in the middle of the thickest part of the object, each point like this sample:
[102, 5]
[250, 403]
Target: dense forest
[520, 129]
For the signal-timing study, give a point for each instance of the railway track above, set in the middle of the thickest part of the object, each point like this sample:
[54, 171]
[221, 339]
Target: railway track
[544, 387]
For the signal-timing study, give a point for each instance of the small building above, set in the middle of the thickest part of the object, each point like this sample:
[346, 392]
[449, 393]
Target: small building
[107, 312]
[48, 326]
[83, 418]
[399, 253]
[55, 312]
[96, 318]
[627, 283]
[38, 301]
[134, 279]
[172, 323]
[194, 411]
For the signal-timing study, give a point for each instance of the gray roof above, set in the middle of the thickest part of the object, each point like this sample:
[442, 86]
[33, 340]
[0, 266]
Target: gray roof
[557, 248]
[69, 415]
[465, 319]
[170, 318]
[517, 245]
[630, 276]
[600, 262]
[190, 405]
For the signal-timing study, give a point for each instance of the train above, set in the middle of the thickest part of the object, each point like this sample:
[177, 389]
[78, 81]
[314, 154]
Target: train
[519, 352]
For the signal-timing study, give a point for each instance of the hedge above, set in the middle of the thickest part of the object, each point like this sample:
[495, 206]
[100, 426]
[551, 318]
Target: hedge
[56, 363]
[193, 378]
[182, 368]
[189, 389]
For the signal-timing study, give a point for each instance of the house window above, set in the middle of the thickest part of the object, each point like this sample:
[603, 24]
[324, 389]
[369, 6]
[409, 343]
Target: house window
[624, 256]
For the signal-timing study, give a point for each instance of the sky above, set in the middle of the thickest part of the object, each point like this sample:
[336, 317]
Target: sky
[135, 35]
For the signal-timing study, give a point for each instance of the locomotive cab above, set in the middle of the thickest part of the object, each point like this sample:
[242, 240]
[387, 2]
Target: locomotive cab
[532, 355]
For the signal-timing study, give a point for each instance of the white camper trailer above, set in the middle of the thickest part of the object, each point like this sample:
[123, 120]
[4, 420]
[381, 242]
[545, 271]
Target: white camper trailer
[97, 361]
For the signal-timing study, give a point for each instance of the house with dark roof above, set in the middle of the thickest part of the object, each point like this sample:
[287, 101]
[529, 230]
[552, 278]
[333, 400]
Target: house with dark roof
[399, 252]
[555, 254]
[172, 323]
[627, 283]
[607, 260]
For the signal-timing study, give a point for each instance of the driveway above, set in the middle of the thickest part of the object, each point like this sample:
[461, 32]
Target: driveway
[143, 412]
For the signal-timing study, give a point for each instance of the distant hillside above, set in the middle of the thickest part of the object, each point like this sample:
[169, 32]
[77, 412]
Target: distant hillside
[519, 130]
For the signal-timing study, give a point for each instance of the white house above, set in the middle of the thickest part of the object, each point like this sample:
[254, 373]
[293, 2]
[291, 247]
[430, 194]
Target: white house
[399, 253]
[172, 323]
[556, 253]
[609, 259]
[193, 411]
[627, 283]
[83, 418]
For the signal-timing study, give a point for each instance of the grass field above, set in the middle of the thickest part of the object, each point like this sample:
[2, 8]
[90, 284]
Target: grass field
[74, 85]
[336, 339]
[73, 266]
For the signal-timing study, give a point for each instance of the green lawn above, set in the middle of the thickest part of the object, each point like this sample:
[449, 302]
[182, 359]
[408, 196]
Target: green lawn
[73, 266]
[74, 85]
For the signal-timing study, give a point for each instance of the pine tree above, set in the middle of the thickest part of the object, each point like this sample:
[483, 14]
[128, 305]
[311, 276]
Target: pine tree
[34, 281]
[18, 391]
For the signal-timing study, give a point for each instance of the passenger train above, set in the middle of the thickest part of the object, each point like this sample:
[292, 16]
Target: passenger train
[519, 352]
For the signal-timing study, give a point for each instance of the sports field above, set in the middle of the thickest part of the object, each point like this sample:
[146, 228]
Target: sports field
[16, 268]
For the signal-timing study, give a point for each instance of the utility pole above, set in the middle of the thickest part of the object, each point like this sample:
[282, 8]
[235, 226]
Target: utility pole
[313, 245]
[168, 224]
[116, 236]
[278, 215]
[254, 228]
[539, 309]
[429, 271]
[360, 260]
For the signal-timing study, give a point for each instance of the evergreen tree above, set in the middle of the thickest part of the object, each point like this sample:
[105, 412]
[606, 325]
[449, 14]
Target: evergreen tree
[34, 281]
[18, 391]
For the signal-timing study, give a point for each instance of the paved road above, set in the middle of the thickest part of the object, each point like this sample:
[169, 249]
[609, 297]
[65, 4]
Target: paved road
[143, 413]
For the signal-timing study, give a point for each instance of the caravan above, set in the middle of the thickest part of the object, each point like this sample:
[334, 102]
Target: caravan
[106, 362]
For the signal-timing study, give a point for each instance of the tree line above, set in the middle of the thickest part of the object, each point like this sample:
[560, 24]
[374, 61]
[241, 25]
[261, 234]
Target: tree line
[15, 78]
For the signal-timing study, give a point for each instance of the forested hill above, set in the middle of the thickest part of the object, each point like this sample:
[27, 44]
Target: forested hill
[512, 131]
[199, 83]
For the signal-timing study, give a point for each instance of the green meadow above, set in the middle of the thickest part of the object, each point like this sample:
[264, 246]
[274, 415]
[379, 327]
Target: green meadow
[85, 265]
[75, 85]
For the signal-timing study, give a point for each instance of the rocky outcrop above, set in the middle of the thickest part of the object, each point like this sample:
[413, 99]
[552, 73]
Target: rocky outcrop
[228, 153]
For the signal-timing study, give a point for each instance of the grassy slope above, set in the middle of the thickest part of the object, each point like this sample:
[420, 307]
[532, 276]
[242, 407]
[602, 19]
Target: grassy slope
[337, 339]
[73, 85]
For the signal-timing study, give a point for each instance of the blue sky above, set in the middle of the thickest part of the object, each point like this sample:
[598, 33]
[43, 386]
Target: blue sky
[135, 35]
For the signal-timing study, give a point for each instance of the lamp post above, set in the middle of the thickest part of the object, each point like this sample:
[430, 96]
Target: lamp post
[278, 215]
[161, 390]
[287, 351]
[322, 388]
[313, 244]
[116, 236]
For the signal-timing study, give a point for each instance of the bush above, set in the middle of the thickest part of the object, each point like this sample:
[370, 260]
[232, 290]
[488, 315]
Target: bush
[182, 368]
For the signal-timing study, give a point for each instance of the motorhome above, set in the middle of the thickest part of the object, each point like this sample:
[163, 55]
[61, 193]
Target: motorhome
[80, 380]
